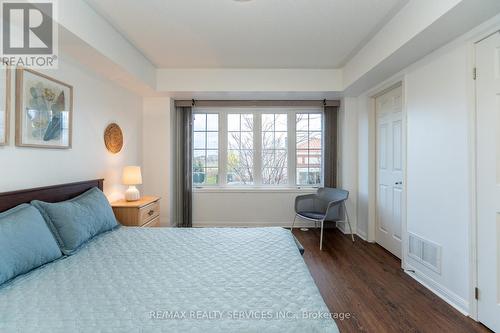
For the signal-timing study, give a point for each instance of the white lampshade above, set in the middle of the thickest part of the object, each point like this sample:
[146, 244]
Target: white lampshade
[132, 175]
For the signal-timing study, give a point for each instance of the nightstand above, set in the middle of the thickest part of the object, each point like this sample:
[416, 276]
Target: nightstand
[144, 212]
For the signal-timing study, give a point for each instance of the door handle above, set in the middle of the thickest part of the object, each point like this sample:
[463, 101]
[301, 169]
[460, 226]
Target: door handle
[398, 183]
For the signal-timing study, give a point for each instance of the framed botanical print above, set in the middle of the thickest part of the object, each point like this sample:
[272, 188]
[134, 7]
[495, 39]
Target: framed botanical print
[4, 105]
[44, 111]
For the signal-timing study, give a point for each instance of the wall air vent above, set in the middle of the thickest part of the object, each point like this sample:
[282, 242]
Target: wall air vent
[425, 252]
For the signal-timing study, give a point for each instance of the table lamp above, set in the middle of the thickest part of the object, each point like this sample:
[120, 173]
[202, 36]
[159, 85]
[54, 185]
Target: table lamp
[132, 176]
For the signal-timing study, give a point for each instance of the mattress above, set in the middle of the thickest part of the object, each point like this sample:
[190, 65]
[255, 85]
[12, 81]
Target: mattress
[168, 280]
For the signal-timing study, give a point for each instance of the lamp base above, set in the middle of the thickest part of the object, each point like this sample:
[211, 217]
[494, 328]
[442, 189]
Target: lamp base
[132, 194]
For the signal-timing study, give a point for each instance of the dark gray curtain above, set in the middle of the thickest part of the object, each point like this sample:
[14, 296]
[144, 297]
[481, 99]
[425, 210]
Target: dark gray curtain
[183, 189]
[330, 167]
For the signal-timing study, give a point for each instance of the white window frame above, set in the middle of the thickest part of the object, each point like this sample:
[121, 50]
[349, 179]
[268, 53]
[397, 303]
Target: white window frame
[257, 145]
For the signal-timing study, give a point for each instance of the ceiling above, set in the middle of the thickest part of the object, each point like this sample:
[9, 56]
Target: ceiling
[248, 34]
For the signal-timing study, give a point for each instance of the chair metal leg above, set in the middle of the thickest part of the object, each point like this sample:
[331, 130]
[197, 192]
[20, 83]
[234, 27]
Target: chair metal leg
[294, 218]
[348, 222]
[321, 237]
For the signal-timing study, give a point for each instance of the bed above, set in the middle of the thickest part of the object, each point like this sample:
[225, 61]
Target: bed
[165, 280]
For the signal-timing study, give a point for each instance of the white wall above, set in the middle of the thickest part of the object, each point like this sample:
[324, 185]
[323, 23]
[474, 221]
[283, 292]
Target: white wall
[413, 18]
[249, 80]
[348, 158]
[438, 94]
[91, 28]
[97, 102]
[438, 191]
[256, 207]
[156, 152]
[366, 164]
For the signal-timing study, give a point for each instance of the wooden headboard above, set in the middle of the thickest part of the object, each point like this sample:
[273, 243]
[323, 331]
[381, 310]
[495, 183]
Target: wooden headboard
[53, 193]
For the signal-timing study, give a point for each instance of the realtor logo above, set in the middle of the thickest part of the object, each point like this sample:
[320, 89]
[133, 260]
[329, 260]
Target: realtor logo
[29, 34]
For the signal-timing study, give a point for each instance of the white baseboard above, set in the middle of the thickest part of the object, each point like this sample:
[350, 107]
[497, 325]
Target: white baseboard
[362, 235]
[341, 226]
[444, 293]
[284, 224]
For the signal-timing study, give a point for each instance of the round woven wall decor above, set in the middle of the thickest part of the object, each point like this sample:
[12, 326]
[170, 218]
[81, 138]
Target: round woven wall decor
[113, 138]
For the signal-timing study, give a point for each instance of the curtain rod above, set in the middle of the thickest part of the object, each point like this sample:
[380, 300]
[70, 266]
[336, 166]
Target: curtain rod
[257, 103]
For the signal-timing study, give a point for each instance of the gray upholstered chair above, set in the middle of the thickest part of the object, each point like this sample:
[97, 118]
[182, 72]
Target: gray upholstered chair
[328, 204]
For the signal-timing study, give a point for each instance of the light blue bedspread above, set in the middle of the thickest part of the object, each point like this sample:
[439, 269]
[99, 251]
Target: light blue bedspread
[169, 280]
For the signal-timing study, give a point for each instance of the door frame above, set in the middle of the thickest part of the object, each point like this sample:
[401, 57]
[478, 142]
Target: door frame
[473, 226]
[397, 81]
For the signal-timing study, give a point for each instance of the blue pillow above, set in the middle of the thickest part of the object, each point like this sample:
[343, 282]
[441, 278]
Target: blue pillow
[76, 221]
[25, 242]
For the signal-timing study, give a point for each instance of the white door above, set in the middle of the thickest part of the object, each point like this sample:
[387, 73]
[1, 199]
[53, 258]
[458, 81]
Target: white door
[488, 179]
[389, 170]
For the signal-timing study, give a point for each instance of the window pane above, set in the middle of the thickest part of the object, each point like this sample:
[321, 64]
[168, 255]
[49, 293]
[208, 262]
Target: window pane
[199, 140]
[268, 122]
[212, 122]
[212, 175]
[240, 167]
[282, 176]
[314, 176]
[240, 149]
[267, 159]
[212, 140]
[247, 122]
[280, 140]
[198, 176]
[274, 176]
[274, 145]
[234, 140]
[302, 140]
[309, 148]
[280, 159]
[314, 159]
[199, 123]
[302, 176]
[302, 158]
[267, 140]
[233, 122]
[205, 162]
[212, 158]
[199, 163]
[315, 140]
[242, 177]
[246, 140]
[199, 159]
[280, 123]
[302, 122]
[315, 122]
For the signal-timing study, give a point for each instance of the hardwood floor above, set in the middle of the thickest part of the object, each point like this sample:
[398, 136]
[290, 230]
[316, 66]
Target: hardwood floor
[365, 280]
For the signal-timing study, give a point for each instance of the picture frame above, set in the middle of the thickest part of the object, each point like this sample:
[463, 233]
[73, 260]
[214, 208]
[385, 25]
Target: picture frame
[44, 111]
[5, 106]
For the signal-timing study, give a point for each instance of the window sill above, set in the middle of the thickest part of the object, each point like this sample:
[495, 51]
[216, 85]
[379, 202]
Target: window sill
[220, 189]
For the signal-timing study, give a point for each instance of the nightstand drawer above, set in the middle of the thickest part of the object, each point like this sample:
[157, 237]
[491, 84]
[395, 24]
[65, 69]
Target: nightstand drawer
[154, 223]
[143, 212]
[149, 212]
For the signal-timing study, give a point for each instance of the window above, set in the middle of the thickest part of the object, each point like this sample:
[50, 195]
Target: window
[274, 149]
[309, 148]
[258, 147]
[240, 153]
[205, 148]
